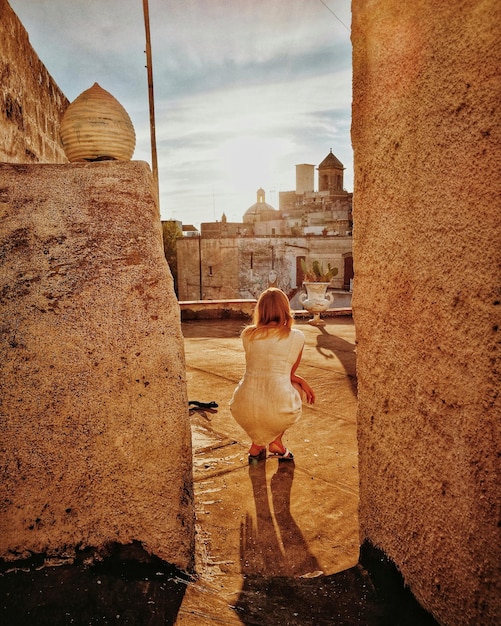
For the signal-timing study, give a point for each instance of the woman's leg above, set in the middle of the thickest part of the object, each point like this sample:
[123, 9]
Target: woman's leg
[276, 445]
[255, 449]
[278, 449]
[257, 453]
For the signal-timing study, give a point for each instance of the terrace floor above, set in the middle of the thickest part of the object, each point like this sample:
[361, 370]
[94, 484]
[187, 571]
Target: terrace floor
[288, 523]
[278, 542]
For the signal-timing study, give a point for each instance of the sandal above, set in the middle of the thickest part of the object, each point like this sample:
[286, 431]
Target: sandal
[286, 455]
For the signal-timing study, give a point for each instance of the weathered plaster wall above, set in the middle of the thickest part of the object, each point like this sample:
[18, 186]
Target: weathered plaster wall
[95, 444]
[188, 268]
[426, 137]
[241, 265]
[219, 254]
[31, 104]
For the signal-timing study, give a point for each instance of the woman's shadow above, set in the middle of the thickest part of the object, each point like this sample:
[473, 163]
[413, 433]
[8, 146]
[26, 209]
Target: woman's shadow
[276, 561]
[282, 580]
[274, 547]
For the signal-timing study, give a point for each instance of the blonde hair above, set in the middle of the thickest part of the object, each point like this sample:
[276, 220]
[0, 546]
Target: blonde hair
[272, 315]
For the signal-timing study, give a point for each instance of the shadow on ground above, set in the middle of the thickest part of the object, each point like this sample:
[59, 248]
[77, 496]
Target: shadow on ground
[127, 587]
[130, 592]
[331, 346]
[349, 598]
[283, 582]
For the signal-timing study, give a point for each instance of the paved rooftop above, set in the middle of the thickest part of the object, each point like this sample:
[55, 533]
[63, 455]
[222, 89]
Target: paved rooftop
[289, 521]
[277, 542]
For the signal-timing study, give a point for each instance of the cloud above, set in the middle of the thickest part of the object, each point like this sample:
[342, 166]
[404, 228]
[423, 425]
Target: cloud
[238, 139]
[243, 90]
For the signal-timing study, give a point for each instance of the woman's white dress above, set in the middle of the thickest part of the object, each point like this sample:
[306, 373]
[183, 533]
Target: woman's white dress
[265, 402]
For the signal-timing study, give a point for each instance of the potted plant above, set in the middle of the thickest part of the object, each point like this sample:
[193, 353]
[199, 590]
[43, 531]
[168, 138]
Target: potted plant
[316, 280]
[315, 272]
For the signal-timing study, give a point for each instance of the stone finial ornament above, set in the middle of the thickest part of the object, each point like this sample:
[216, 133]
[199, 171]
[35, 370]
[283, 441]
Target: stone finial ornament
[96, 127]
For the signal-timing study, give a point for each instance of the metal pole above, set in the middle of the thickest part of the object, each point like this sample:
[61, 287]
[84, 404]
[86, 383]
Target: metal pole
[149, 67]
[200, 264]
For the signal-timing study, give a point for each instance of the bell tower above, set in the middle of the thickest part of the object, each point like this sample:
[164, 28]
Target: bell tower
[330, 174]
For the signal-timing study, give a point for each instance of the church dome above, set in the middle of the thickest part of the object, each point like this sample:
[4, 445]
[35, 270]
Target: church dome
[260, 211]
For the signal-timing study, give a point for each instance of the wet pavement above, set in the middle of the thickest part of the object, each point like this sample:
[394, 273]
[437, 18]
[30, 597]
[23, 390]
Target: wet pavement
[276, 543]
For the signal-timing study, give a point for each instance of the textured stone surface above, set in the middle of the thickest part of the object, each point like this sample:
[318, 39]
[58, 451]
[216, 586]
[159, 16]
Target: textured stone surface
[31, 104]
[426, 137]
[95, 442]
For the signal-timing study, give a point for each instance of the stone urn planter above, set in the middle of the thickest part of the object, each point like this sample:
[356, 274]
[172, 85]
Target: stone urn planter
[316, 300]
[96, 127]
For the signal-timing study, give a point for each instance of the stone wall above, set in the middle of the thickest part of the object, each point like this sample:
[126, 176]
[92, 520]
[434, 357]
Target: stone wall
[217, 309]
[31, 104]
[219, 268]
[426, 137]
[96, 444]
[239, 267]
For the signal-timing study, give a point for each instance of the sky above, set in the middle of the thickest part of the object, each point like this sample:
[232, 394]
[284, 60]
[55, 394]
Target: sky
[244, 90]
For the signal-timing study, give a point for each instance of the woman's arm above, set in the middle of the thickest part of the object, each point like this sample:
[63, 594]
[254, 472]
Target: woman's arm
[299, 380]
[296, 364]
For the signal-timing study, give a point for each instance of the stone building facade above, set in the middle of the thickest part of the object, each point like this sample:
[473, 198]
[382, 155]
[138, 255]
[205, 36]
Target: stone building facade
[243, 267]
[31, 104]
[327, 211]
[241, 259]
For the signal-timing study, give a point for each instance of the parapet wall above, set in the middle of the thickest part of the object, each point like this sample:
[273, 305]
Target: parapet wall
[96, 443]
[31, 104]
[426, 302]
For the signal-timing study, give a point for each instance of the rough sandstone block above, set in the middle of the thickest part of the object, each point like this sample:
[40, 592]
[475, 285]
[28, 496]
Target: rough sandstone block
[426, 302]
[95, 444]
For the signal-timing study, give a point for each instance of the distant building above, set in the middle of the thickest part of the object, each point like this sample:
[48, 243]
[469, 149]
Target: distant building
[189, 230]
[327, 211]
[241, 259]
